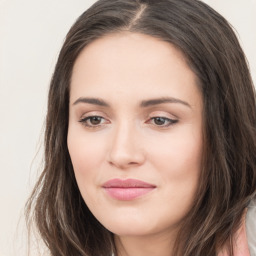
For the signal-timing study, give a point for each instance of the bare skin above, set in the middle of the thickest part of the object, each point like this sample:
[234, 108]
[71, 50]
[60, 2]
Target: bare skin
[136, 113]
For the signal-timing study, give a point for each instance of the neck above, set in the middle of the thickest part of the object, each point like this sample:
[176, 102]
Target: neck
[150, 245]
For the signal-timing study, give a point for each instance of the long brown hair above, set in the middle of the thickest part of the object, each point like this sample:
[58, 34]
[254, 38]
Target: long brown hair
[228, 177]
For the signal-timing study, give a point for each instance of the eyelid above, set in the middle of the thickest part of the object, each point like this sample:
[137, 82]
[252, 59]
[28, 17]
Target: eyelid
[92, 114]
[165, 116]
[164, 119]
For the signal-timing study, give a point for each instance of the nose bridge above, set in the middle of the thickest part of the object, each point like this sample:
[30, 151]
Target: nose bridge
[125, 145]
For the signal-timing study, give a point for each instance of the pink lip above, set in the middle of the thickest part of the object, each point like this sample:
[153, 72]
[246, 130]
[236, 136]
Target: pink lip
[126, 190]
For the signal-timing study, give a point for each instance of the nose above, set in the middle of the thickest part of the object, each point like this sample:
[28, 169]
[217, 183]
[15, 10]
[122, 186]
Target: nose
[126, 149]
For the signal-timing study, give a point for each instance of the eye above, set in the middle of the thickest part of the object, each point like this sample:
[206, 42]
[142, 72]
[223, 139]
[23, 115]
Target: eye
[93, 121]
[162, 121]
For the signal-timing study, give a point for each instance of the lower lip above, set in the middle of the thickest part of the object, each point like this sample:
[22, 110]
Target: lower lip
[127, 194]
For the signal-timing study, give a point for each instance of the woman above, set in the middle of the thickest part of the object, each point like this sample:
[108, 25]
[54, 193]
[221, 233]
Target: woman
[150, 135]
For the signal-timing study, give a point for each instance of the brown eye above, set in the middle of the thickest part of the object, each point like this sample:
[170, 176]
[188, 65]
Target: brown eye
[93, 121]
[159, 120]
[162, 121]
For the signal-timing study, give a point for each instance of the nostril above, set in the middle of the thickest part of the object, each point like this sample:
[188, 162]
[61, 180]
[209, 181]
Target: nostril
[132, 163]
[125, 161]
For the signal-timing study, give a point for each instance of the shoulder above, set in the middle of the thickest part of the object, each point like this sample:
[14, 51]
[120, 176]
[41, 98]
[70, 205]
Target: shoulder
[251, 227]
[245, 236]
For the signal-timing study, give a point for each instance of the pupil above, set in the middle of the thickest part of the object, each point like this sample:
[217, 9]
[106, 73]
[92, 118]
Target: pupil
[159, 120]
[95, 120]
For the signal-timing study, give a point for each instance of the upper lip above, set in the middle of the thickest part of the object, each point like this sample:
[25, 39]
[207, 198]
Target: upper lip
[127, 183]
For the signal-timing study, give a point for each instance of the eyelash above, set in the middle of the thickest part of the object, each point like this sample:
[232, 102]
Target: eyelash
[87, 121]
[164, 119]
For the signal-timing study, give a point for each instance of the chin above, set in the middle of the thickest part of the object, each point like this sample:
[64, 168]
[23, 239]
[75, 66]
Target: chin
[130, 231]
[131, 226]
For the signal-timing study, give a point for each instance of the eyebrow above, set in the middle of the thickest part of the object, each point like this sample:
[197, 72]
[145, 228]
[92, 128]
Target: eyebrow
[144, 103]
[93, 101]
[158, 101]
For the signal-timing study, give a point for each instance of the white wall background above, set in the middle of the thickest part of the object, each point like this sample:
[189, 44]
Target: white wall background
[31, 34]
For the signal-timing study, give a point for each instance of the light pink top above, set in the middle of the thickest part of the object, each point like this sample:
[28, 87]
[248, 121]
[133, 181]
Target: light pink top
[240, 243]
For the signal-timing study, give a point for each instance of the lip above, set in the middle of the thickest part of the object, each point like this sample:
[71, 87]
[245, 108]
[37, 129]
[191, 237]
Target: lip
[126, 190]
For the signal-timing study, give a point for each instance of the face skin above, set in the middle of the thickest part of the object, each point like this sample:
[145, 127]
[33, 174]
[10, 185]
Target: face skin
[146, 124]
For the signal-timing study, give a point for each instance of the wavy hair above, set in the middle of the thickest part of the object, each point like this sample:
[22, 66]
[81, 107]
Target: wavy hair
[228, 176]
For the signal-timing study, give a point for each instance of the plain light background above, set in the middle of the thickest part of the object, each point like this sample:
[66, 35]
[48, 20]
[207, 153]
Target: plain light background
[31, 35]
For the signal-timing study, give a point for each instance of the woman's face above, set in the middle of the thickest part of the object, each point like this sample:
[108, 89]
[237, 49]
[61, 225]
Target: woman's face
[135, 133]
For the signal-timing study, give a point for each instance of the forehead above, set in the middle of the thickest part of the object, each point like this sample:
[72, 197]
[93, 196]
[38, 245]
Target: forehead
[128, 62]
[129, 49]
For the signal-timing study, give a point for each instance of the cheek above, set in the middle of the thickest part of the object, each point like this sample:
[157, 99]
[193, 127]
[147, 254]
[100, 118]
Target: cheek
[87, 155]
[179, 165]
[180, 155]
[83, 147]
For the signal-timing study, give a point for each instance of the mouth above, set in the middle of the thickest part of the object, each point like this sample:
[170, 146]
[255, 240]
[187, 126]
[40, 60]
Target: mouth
[126, 190]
